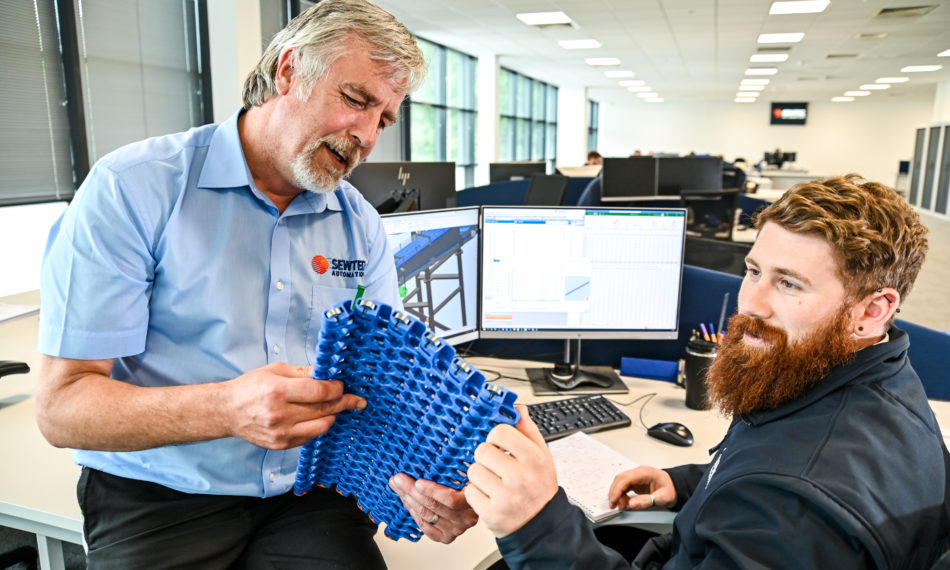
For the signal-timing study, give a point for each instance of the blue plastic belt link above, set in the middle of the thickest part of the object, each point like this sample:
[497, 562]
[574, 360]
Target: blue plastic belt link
[427, 410]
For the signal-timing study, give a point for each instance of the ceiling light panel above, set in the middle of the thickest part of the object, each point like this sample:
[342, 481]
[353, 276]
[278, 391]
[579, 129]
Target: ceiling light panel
[768, 57]
[619, 73]
[875, 87]
[892, 80]
[798, 7]
[579, 44]
[602, 61]
[632, 83]
[784, 38]
[944, 53]
[857, 93]
[543, 18]
[920, 68]
[745, 99]
[761, 71]
[760, 81]
[842, 99]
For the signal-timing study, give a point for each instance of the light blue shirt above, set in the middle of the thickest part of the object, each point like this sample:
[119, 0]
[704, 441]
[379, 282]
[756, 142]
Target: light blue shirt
[170, 260]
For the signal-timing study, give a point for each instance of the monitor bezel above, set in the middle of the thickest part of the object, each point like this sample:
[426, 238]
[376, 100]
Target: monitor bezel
[579, 334]
[465, 336]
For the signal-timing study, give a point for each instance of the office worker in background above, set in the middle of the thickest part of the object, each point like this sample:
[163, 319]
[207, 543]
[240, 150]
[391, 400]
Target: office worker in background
[834, 458]
[594, 157]
[182, 295]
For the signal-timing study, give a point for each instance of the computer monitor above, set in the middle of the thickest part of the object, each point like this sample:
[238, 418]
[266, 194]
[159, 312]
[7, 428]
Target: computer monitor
[629, 178]
[436, 255]
[545, 190]
[678, 174]
[405, 186]
[504, 171]
[580, 273]
[777, 159]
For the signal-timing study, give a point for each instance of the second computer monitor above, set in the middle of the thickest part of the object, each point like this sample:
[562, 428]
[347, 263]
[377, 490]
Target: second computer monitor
[405, 186]
[436, 256]
[681, 174]
[630, 178]
[575, 273]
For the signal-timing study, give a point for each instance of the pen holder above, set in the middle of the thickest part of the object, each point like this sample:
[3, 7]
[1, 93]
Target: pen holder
[699, 356]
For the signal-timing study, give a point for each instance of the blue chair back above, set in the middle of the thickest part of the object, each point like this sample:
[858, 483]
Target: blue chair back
[507, 193]
[929, 354]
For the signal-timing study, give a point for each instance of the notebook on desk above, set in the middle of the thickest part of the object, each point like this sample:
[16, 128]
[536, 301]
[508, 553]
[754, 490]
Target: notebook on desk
[586, 468]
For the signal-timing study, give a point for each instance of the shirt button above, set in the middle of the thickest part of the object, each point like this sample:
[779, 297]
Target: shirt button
[272, 477]
[279, 285]
[276, 349]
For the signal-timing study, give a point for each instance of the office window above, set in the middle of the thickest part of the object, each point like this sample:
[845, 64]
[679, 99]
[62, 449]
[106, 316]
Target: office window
[593, 125]
[140, 70]
[35, 161]
[82, 78]
[528, 118]
[442, 113]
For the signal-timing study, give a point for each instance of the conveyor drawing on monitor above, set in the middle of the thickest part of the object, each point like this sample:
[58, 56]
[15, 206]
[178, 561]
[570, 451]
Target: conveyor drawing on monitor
[419, 261]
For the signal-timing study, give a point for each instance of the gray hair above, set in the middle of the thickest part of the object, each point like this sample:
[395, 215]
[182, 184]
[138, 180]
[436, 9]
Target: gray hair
[318, 38]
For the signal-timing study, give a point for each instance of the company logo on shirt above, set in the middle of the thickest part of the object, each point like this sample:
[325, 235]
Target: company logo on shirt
[320, 264]
[338, 267]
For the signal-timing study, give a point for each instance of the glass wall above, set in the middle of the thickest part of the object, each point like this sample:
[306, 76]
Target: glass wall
[442, 113]
[593, 124]
[528, 118]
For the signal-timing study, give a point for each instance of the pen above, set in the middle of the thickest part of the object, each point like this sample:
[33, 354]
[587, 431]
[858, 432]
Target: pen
[705, 332]
[722, 315]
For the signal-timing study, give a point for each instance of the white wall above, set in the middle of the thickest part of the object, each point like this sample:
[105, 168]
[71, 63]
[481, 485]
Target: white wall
[869, 136]
[23, 231]
[572, 122]
[234, 34]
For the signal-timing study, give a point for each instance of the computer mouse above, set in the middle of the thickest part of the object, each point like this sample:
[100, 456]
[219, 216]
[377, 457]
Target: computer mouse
[672, 432]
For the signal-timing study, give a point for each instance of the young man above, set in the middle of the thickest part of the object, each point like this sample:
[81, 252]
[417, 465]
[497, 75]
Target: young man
[182, 297]
[833, 459]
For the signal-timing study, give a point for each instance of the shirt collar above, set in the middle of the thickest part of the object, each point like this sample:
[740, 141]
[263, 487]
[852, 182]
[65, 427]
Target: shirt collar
[225, 166]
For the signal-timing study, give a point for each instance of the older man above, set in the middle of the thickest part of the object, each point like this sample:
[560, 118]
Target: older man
[182, 293]
[833, 459]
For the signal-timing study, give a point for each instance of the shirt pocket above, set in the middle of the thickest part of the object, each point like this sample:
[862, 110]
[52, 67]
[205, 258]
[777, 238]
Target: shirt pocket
[322, 299]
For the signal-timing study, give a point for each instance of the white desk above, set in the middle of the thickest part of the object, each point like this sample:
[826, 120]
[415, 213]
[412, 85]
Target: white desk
[38, 481]
[785, 179]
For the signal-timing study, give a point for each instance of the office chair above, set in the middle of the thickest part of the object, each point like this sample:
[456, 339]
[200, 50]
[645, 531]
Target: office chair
[23, 554]
[710, 214]
[546, 190]
[591, 195]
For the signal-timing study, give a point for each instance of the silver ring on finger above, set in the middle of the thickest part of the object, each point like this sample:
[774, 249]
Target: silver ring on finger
[433, 520]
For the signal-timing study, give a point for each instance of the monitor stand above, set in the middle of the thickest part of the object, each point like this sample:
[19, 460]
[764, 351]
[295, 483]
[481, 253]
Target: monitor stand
[570, 377]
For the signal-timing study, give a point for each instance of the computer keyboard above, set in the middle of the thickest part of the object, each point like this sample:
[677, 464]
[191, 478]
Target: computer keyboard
[588, 413]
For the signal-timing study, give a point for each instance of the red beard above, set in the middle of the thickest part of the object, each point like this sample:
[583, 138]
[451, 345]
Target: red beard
[745, 379]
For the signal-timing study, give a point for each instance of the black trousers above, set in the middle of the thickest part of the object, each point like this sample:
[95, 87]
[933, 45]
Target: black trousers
[135, 524]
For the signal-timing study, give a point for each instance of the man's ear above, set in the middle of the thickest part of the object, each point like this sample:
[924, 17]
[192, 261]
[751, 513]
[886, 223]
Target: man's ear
[872, 315]
[284, 76]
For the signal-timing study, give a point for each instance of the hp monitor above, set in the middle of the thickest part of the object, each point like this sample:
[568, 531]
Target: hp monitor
[405, 186]
[436, 255]
[580, 273]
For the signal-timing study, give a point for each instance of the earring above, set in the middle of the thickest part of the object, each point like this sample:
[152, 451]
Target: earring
[860, 329]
